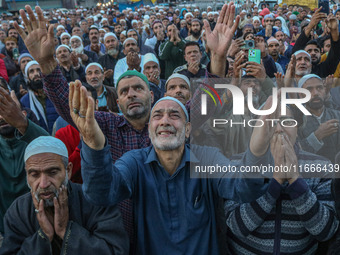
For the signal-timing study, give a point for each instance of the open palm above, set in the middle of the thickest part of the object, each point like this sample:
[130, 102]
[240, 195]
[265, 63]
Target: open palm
[219, 40]
[39, 41]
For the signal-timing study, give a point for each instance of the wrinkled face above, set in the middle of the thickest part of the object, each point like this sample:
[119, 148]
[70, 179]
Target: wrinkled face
[192, 54]
[34, 73]
[65, 40]
[94, 36]
[63, 55]
[77, 31]
[303, 64]
[134, 97]
[45, 174]
[195, 26]
[178, 89]
[327, 45]
[256, 23]
[133, 34]
[95, 76]
[23, 63]
[75, 43]
[111, 43]
[314, 52]
[10, 45]
[317, 91]
[273, 49]
[168, 127]
[130, 46]
[280, 36]
[13, 33]
[150, 67]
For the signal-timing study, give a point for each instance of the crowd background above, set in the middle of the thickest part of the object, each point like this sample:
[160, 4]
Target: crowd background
[299, 47]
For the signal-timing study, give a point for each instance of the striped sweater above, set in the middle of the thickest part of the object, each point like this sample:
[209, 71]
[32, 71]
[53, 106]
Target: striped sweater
[285, 219]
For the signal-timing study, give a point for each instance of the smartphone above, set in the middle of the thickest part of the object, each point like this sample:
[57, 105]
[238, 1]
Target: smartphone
[248, 44]
[325, 6]
[254, 55]
[16, 54]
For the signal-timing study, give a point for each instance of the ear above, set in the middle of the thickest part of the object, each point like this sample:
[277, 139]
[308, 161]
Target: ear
[69, 170]
[187, 129]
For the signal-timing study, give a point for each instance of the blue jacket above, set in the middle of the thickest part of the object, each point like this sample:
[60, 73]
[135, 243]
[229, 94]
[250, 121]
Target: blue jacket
[51, 113]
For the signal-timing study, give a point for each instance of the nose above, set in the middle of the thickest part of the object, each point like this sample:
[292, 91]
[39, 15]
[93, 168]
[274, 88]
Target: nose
[44, 181]
[278, 128]
[131, 93]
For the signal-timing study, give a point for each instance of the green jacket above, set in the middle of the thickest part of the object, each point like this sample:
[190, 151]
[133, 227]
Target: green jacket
[173, 55]
[12, 167]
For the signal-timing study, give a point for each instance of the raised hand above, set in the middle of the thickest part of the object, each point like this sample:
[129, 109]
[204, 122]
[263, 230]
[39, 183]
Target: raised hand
[39, 41]
[11, 112]
[220, 39]
[82, 113]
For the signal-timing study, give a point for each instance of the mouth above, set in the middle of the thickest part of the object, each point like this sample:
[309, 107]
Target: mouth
[165, 133]
[46, 195]
[134, 105]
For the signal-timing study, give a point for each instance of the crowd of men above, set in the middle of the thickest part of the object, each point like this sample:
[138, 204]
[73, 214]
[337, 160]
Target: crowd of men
[100, 126]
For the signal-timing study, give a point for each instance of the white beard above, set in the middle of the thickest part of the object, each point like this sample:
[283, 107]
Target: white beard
[79, 50]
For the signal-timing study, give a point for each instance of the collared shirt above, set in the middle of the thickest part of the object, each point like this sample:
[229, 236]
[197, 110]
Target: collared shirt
[121, 135]
[175, 214]
[102, 48]
[102, 98]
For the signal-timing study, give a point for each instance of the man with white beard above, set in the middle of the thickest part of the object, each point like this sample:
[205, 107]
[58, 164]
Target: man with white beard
[85, 56]
[109, 60]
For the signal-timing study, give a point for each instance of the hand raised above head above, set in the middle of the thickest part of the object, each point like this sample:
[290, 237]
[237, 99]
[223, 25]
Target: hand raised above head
[39, 40]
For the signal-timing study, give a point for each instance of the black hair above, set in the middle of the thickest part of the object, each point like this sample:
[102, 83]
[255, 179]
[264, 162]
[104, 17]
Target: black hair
[246, 34]
[191, 43]
[323, 39]
[313, 42]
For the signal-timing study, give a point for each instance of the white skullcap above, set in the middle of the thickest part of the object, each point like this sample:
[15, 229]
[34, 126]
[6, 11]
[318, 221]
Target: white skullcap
[134, 21]
[103, 20]
[187, 14]
[63, 45]
[148, 57]
[177, 75]
[29, 64]
[77, 37]
[94, 64]
[60, 26]
[110, 34]
[212, 13]
[305, 78]
[272, 40]
[146, 17]
[175, 100]
[256, 18]
[302, 51]
[45, 144]
[102, 29]
[63, 34]
[129, 39]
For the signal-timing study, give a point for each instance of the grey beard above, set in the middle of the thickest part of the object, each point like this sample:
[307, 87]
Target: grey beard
[112, 52]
